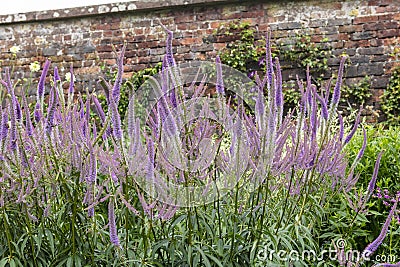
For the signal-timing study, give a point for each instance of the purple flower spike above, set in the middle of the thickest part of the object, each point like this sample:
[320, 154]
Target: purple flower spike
[28, 121]
[269, 59]
[168, 49]
[324, 107]
[71, 82]
[51, 111]
[37, 112]
[372, 183]
[336, 90]
[361, 152]
[353, 131]
[56, 75]
[220, 82]
[341, 129]
[18, 110]
[371, 248]
[92, 173]
[278, 95]
[99, 109]
[115, 119]
[40, 91]
[4, 124]
[112, 225]
[116, 91]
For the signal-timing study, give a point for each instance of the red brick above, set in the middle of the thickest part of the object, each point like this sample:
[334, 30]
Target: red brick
[215, 24]
[189, 41]
[219, 46]
[388, 33]
[365, 19]
[182, 19]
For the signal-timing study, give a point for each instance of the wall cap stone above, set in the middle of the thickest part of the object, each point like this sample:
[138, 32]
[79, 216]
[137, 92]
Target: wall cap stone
[93, 10]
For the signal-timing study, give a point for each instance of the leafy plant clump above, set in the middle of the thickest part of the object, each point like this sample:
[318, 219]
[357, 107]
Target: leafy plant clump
[391, 98]
[105, 192]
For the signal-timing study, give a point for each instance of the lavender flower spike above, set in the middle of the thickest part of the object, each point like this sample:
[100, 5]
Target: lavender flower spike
[324, 107]
[116, 91]
[4, 123]
[353, 131]
[71, 82]
[371, 248]
[278, 94]
[168, 49]
[56, 75]
[111, 224]
[361, 152]
[336, 90]
[220, 82]
[40, 91]
[371, 185]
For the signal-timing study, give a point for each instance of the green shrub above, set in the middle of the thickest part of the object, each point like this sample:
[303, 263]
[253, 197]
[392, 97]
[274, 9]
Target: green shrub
[379, 139]
[391, 98]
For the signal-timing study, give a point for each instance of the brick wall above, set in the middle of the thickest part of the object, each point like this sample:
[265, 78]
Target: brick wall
[367, 30]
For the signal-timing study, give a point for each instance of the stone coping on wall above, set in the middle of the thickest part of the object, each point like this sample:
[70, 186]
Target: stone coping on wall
[92, 10]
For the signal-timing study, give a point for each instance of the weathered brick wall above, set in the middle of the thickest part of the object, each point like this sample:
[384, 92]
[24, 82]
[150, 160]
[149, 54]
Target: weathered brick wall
[367, 30]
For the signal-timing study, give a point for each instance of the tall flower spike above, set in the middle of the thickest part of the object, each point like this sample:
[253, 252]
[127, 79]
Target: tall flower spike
[56, 75]
[220, 82]
[37, 113]
[168, 50]
[18, 110]
[371, 248]
[361, 152]
[71, 81]
[336, 90]
[341, 127]
[268, 60]
[112, 225]
[28, 121]
[40, 91]
[131, 116]
[4, 123]
[324, 107]
[115, 119]
[279, 94]
[116, 91]
[51, 111]
[353, 131]
[371, 185]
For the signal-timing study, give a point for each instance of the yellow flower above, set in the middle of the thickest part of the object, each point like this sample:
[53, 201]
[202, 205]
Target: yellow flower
[15, 49]
[34, 66]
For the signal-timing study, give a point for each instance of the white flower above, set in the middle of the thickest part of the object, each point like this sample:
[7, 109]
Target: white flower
[15, 49]
[34, 66]
[68, 76]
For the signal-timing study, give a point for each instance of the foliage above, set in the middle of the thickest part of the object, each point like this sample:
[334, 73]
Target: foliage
[245, 52]
[302, 52]
[356, 95]
[391, 98]
[388, 141]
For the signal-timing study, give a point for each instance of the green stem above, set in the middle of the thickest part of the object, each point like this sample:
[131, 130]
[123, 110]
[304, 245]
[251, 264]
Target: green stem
[8, 234]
